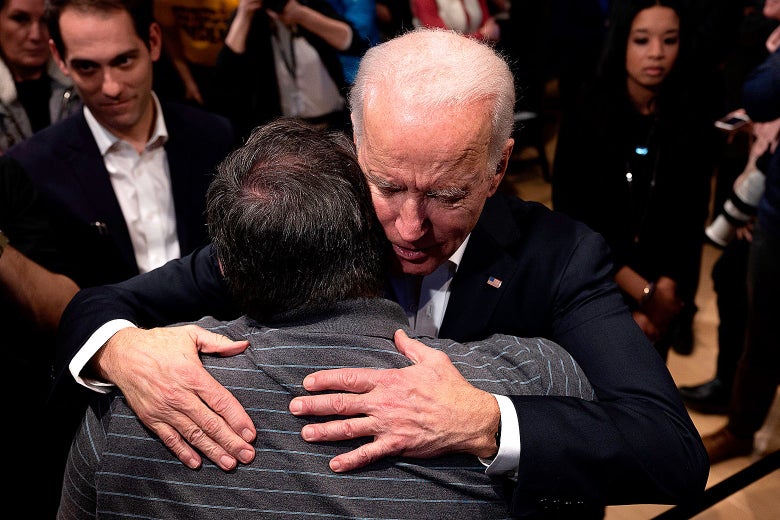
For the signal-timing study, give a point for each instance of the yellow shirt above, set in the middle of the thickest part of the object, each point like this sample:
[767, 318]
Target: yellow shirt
[201, 26]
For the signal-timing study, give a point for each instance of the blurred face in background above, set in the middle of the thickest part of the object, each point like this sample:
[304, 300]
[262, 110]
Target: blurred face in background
[653, 46]
[772, 9]
[24, 38]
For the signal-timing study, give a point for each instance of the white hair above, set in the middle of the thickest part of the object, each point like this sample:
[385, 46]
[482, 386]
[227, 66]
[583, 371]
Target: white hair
[438, 68]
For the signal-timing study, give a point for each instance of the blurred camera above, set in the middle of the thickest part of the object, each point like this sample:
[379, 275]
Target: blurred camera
[276, 6]
[738, 209]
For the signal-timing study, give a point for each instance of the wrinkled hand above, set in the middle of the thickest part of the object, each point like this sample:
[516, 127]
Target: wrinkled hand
[424, 410]
[164, 382]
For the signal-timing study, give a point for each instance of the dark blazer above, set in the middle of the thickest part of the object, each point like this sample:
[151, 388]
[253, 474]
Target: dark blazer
[66, 166]
[636, 444]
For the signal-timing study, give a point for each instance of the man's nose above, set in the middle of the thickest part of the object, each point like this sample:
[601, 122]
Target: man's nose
[111, 86]
[412, 220]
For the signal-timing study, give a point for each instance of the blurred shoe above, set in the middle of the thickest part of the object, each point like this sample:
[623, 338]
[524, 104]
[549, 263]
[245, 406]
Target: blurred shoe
[711, 397]
[723, 445]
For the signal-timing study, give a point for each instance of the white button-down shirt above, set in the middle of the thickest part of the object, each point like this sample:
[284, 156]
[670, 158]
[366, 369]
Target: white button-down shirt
[142, 184]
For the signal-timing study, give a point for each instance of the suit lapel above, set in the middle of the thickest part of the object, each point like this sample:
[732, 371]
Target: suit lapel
[180, 163]
[485, 257]
[90, 174]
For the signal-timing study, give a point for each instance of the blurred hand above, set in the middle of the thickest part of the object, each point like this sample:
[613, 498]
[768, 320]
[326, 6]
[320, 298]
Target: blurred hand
[664, 305]
[650, 330]
[289, 15]
[745, 232]
[490, 31]
[192, 92]
[164, 382]
[249, 6]
[423, 410]
[765, 135]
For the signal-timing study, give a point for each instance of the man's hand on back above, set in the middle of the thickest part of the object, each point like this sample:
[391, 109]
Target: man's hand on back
[424, 410]
[164, 382]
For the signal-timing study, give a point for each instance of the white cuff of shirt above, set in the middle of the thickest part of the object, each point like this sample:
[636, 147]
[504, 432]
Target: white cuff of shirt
[507, 460]
[93, 344]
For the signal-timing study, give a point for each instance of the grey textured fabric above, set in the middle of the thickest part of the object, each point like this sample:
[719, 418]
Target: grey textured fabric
[118, 469]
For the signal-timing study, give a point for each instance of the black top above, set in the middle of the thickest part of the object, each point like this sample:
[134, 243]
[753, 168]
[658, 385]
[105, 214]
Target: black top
[641, 181]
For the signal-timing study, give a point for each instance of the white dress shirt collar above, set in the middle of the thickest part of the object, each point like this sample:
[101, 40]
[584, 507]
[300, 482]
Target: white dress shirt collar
[105, 139]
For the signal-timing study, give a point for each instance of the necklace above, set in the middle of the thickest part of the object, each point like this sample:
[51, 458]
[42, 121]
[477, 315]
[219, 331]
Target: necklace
[642, 158]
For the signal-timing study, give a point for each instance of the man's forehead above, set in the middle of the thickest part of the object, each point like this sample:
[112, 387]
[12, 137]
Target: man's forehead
[98, 36]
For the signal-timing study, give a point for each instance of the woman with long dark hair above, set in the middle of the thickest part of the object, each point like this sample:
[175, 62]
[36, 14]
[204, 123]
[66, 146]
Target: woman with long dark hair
[634, 162]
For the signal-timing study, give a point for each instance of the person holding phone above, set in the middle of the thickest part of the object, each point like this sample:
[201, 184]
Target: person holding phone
[281, 58]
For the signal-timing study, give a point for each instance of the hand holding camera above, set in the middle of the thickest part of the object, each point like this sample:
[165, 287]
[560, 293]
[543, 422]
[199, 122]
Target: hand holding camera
[276, 6]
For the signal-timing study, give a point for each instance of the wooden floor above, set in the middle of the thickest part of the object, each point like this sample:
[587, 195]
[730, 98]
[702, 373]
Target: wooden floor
[759, 501]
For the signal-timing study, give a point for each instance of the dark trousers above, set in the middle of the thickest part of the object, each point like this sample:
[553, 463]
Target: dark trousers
[758, 373]
[729, 278]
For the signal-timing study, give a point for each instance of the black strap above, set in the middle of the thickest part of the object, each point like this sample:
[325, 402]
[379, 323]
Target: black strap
[723, 489]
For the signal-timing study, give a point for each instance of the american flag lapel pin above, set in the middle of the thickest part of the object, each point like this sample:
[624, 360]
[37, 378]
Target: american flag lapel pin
[494, 282]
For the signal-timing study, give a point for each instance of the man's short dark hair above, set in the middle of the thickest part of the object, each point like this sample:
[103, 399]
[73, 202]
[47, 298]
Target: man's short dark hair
[141, 12]
[292, 222]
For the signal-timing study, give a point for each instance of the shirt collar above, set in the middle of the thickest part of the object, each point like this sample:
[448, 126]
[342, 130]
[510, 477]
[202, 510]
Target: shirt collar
[105, 139]
[457, 256]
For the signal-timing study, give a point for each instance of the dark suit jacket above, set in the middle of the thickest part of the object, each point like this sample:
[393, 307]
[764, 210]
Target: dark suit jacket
[635, 445]
[66, 166]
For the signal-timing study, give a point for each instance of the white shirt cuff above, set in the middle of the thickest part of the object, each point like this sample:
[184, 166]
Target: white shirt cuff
[507, 460]
[88, 350]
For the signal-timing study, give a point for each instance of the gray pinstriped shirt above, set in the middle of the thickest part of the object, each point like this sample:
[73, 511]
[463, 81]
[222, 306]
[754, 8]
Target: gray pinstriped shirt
[118, 469]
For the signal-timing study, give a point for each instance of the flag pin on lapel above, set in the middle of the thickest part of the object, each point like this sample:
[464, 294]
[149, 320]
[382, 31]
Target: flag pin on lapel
[494, 282]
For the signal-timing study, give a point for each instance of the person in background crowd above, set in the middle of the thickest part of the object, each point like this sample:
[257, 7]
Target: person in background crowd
[757, 377]
[746, 147]
[433, 112]
[193, 34]
[469, 17]
[32, 297]
[362, 14]
[123, 180]
[33, 91]
[282, 59]
[633, 162]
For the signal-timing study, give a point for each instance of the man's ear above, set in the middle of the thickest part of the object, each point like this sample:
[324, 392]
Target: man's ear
[503, 163]
[155, 41]
[56, 55]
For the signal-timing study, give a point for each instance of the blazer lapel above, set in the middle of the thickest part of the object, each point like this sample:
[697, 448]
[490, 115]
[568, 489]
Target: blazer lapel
[90, 175]
[483, 275]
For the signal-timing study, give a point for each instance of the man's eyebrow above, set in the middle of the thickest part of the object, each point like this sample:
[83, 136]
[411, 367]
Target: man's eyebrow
[116, 60]
[452, 192]
[78, 62]
[119, 58]
[378, 181]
